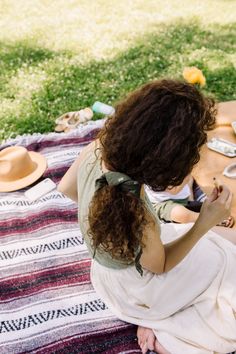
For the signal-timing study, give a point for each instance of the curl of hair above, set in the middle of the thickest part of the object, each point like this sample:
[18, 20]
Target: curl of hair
[154, 137]
[156, 133]
[116, 221]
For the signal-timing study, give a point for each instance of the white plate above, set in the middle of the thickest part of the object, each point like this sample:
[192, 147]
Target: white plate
[222, 146]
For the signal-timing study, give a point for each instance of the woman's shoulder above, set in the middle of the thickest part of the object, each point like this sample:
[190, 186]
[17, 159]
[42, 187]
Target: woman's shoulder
[88, 169]
[88, 158]
[88, 150]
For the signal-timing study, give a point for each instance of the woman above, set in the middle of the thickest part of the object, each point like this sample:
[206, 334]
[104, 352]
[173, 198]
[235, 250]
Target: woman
[175, 282]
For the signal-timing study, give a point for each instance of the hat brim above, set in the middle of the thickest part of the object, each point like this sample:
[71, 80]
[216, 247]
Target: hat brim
[12, 186]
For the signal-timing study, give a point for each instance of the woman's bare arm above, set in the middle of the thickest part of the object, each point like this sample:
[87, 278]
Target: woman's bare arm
[153, 255]
[68, 183]
[158, 258]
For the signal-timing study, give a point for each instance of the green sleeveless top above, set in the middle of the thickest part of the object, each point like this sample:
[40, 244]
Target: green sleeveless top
[88, 172]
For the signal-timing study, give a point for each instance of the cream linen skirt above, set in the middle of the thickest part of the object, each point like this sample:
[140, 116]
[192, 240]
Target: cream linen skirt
[192, 308]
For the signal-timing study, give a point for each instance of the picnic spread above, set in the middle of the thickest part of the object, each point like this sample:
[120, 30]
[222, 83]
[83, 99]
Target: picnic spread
[47, 302]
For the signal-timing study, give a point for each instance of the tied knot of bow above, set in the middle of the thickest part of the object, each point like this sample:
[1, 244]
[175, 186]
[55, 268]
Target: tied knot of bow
[125, 183]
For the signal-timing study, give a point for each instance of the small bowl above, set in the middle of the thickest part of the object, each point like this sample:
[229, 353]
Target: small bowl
[230, 170]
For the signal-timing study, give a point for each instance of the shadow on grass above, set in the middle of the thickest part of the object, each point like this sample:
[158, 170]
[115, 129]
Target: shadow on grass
[19, 55]
[71, 85]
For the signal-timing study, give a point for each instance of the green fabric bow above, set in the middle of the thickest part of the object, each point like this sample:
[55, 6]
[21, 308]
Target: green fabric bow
[118, 179]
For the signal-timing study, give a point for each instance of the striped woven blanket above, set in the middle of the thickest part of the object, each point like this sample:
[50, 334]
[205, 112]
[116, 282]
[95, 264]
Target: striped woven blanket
[47, 302]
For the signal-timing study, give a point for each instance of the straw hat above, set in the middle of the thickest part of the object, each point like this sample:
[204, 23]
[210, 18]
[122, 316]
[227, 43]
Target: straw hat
[19, 168]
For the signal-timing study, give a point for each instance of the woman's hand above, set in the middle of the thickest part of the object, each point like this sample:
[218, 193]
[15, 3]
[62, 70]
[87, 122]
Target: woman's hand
[216, 207]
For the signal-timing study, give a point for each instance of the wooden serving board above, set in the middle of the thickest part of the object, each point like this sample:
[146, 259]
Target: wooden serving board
[212, 163]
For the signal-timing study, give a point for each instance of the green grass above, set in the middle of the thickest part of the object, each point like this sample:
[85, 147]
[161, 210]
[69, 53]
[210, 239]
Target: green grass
[58, 56]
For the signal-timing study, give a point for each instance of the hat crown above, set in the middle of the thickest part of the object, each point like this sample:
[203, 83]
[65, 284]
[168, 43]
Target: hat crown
[15, 163]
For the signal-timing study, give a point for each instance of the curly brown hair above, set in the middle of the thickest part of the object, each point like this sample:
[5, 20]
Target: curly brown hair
[154, 137]
[116, 222]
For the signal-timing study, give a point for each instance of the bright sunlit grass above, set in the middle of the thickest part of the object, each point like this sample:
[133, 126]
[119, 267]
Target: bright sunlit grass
[58, 56]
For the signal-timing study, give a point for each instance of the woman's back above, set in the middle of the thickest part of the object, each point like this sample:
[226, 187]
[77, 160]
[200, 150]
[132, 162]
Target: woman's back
[89, 171]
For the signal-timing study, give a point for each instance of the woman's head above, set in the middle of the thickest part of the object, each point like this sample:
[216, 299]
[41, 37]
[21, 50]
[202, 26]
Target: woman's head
[156, 133]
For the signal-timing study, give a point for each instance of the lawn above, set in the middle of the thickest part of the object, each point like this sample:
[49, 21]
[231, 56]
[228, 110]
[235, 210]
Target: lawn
[58, 56]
